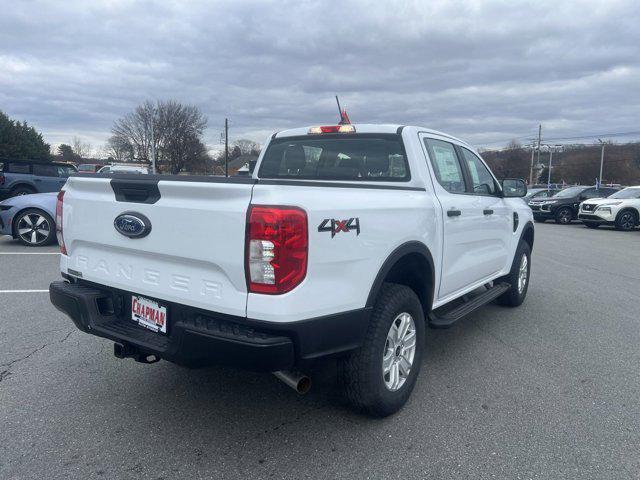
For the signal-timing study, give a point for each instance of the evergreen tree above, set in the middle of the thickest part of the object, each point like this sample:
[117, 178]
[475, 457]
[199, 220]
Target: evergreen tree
[19, 141]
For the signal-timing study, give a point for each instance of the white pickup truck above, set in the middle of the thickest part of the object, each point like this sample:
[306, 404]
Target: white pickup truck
[347, 242]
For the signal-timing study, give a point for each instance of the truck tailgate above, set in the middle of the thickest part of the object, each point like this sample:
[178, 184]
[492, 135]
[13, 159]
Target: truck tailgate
[193, 254]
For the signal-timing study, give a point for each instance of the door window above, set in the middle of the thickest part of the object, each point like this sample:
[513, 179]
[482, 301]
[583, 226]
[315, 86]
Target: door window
[482, 180]
[45, 170]
[446, 165]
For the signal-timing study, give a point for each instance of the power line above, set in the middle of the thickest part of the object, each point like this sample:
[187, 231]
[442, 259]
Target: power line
[532, 136]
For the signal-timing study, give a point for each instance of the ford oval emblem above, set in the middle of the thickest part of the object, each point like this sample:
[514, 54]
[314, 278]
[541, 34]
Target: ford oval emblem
[132, 225]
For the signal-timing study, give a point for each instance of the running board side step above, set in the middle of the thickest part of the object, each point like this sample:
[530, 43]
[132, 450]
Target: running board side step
[452, 316]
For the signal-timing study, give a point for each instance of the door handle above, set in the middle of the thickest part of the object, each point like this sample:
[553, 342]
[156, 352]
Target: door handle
[487, 211]
[453, 213]
[37, 179]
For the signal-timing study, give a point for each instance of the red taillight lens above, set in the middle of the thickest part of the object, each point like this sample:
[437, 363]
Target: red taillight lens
[1, 179]
[59, 236]
[276, 249]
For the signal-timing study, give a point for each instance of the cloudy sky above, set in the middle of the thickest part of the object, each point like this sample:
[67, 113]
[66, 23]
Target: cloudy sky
[486, 71]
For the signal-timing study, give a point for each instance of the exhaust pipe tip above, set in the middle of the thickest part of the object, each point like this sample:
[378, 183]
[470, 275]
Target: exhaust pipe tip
[299, 382]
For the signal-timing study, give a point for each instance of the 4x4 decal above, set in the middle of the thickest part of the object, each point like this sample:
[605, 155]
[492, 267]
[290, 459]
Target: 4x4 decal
[337, 226]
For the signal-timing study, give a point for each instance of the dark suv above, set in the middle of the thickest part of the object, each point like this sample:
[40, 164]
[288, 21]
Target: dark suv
[22, 177]
[563, 206]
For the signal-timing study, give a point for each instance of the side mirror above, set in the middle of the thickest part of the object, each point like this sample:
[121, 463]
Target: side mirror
[513, 187]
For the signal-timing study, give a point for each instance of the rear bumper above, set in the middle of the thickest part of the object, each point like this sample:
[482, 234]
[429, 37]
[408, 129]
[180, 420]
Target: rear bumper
[198, 337]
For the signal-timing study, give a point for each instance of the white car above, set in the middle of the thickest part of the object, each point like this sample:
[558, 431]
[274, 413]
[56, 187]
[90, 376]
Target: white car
[346, 242]
[622, 209]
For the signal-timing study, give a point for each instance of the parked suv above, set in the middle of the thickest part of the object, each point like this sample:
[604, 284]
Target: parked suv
[622, 209]
[23, 178]
[347, 242]
[563, 206]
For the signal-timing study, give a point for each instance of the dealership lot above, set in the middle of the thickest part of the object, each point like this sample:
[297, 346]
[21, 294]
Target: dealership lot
[548, 390]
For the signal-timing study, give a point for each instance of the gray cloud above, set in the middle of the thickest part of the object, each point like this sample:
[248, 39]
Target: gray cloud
[485, 71]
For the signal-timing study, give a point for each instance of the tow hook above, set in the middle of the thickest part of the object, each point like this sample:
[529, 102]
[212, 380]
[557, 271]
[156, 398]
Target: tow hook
[124, 350]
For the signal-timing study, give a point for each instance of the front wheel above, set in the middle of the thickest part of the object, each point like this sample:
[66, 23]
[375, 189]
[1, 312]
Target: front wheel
[34, 228]
[564, 216]
[518, 277]
[626, 220]
[379, 377]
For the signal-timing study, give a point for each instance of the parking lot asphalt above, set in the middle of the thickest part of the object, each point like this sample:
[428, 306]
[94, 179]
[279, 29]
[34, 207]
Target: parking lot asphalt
[549, 390]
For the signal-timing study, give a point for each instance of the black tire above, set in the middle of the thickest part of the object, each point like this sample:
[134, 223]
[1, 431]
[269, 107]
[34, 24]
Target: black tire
[564, 216]
[361, 374]
[45, 235]
[626, 220]
[515, 296]
[591, 225]
[21, 190]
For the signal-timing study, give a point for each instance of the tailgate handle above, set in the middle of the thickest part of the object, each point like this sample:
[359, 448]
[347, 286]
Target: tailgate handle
[135, 191]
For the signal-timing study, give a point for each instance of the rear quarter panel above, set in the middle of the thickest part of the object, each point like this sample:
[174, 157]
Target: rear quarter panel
[342, 268]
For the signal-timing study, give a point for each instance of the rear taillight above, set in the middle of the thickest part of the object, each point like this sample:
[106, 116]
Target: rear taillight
[276, 249]
[1, 179]
[59, 236]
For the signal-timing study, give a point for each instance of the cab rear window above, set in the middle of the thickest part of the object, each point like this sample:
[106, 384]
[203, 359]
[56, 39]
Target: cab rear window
[337, 157]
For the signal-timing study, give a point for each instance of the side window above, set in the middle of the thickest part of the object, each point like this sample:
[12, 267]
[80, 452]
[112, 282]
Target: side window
[45, 170]
[17, 168]
[446, 165]
[483, 182]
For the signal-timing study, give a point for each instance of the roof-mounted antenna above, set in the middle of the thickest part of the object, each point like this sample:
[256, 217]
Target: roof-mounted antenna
[344, 118]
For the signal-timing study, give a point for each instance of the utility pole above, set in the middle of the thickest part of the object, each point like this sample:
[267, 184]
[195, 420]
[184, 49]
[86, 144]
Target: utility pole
[153, 142]
[539, 141]
[226, 147]
[549, 172]
[601, 161]
[533, 152]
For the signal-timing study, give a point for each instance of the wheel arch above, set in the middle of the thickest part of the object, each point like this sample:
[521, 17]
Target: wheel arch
[22, 183]
[411, 264]
[528, 234]
[631, 209]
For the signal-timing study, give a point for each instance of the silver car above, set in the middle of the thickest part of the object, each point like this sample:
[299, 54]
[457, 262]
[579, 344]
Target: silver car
[30, 218]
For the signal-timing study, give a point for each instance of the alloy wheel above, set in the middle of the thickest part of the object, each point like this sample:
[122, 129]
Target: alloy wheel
[399, 351]
[523, 274]
[34, 228]
[627, 221]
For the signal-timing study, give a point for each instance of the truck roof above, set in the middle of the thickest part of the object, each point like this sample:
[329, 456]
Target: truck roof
[366, 128]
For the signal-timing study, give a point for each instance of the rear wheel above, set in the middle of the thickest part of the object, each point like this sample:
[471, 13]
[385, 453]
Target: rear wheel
[518, 277]
[34, 228]
[626, 220]
[379, 377]
[564, 216]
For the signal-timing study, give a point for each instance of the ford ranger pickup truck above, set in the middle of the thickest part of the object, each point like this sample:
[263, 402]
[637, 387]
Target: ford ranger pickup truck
[346, 242]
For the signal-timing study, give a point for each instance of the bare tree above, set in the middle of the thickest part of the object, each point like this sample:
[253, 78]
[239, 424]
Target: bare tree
[80, 148]
[247, 147]
[174, 128]
[119, 148]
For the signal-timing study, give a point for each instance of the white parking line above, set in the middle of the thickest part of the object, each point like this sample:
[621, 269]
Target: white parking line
[29, 253]
[23, 291]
